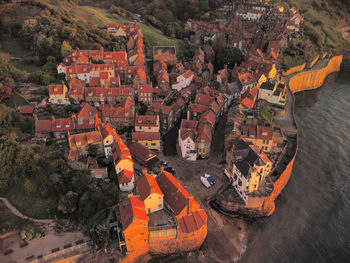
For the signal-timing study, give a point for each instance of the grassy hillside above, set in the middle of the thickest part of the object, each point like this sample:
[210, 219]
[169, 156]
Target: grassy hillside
[319, 30]
[100, 16]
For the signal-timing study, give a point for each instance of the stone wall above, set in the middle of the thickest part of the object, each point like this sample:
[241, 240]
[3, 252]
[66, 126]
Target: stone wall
[314, 79]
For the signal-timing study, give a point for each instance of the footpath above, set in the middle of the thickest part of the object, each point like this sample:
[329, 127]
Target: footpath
[16, 212]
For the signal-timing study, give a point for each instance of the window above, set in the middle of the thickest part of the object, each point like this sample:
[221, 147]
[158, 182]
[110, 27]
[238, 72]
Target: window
[154, 234]
[153, 144]
[239, 182]
[163, 234]
[172, 232]
[235, 177]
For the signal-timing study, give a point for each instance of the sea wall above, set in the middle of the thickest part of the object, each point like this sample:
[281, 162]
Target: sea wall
[314, 79]
[164, 246]
[265, 206]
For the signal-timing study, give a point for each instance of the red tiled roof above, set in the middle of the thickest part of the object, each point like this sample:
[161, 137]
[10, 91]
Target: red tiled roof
[204, 133]
[188, 129]
[193, 222]
[76, 91]
[125, 177]
[43, 126]
[208, 117]
[156, 107]
[150, 136]
[144, 89]
[141, 152]
[27, 109]
[87, 111]
[114, 55]
[247, 102]
[83, 139]
[188, 74]
[95, 82]
[61, 125]
[249, 131]
[215, 107]
[197, 108]
[132, 209]
[148, 120]
[246, 79]
[56, 89]
[264, 133]
[204, 99]
[175, 194]
[147, 185]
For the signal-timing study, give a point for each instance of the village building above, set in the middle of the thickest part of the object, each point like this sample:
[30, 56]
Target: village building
[182, 81]
[96, 171]
[187, 139]
[79, 144]
[166, 115]
[142, 154]
[119, 116]
[166, 54]
[245, 169]
[58, 94]
[151, 140]
[247, 81]
[134, 222]
[203, 140]
[144, 93]
[273, 93]
[150, 192]
[26, 109]
[147, 123]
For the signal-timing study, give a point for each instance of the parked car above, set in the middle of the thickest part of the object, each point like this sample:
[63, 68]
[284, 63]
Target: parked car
[207, 180]
[170, 170]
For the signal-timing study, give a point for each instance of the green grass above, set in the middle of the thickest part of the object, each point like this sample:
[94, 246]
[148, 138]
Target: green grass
[35, 207]
[10, 222]
[265, 114]
[323, 15]
[16, 100]
[14, 48]
[154, 37]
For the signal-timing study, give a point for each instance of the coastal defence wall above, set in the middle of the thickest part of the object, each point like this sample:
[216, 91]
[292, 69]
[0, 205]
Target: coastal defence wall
[265, 206]
[314, 79]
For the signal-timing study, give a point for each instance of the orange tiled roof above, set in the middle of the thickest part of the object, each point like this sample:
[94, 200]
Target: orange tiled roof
[193, 222]
[175, 194]
[147, 185]
[132, 209]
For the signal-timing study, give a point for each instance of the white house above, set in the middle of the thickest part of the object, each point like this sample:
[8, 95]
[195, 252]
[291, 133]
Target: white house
[58, 94]
[183, 80]
[187, 134]
[273, 93]
[246, 169]
[61, 69]
[126, 180]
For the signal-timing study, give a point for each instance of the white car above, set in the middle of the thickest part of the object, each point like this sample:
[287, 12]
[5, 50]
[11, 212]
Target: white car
[207, 180]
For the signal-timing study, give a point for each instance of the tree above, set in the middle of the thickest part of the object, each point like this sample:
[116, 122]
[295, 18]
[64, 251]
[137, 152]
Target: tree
[92, 150]
[228, 55]
[65, 48]
[68, 202]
